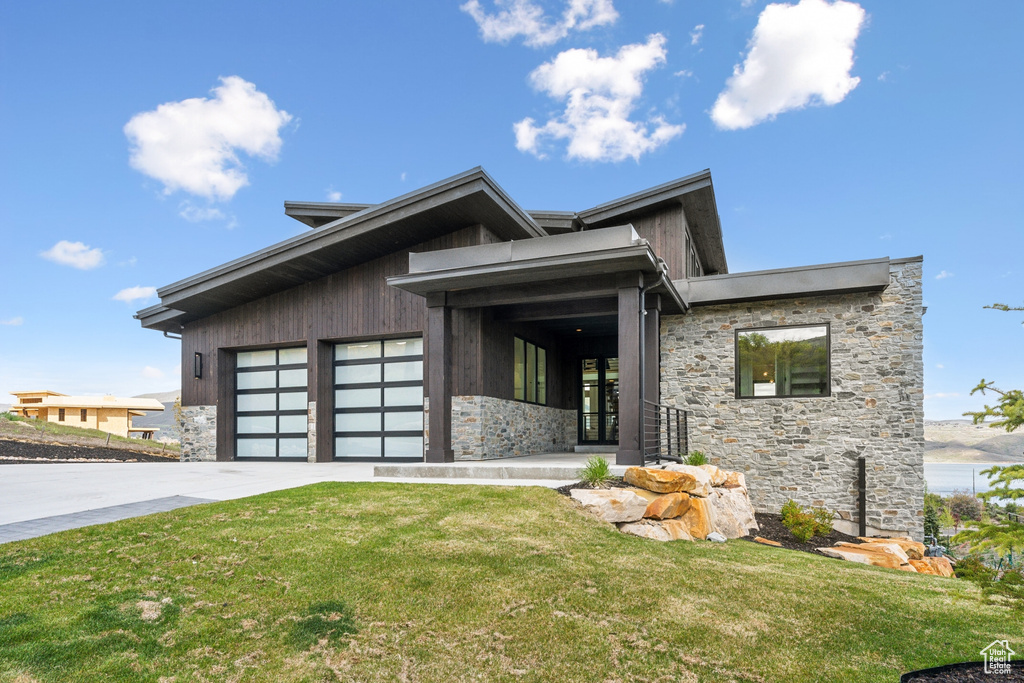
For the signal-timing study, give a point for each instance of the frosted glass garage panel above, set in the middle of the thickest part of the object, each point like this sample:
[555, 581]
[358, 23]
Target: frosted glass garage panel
[357, 422]
[296, 356]
[357, 351]
[403, 372]
[357, 398]
[257, 380]
[403, 446]
[261, 424]
[292, 424]
[293, 400]
[411, 421]
[403, 347]
[357, 447]
[257, 448]
[357, 374]
[403, 396]
[292, 378]
[292, 448]
[248, 403]
[253, 359]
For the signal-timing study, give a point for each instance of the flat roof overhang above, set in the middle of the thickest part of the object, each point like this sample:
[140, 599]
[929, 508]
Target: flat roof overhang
[786, 283]
[470, 198]
[574, 266]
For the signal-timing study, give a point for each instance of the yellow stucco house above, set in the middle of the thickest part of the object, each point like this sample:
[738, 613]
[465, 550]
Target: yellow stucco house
[111, 414]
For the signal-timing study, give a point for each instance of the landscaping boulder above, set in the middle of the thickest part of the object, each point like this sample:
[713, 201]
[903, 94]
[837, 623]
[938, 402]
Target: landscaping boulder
[677, 529]
[936, 566]
[913, 549]
[731, 512]
[880, 546]
[701, 485]
[667, 505]
[758, 539]
[855, 554]
[698, 518]
[718, 476]
[665, 481]
[658, 530]
[735, 480]
[612, 505]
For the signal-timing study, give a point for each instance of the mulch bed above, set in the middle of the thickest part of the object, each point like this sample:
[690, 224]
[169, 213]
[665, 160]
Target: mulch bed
[20, 452]
[614, 483]
[773, 529]
[969, 672]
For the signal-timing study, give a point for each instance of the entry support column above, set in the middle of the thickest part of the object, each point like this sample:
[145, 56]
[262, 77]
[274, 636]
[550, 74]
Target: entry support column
[630, 406]
[652, 348]
[439, 379]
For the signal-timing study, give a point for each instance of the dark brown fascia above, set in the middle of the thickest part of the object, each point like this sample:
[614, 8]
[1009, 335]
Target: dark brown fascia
[786, 283]
[695, 193]
[319, 214]
[302, 258]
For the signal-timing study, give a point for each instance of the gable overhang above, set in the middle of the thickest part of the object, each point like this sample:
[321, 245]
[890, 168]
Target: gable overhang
[319, 214]
[786, 283]
[695, 193]
[464, 200]
[581, 265]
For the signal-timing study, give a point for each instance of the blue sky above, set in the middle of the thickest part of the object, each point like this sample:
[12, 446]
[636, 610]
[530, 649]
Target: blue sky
[834, 131]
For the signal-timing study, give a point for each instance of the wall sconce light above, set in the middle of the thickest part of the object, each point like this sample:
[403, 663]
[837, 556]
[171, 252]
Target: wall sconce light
[198, 366]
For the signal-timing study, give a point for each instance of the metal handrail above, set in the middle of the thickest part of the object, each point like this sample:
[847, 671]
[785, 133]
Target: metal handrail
[666, 433]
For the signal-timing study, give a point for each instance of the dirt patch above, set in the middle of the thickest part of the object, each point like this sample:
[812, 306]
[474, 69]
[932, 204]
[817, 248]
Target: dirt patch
[773, 529]
[613, 483]
[15, 451]
[970, 672]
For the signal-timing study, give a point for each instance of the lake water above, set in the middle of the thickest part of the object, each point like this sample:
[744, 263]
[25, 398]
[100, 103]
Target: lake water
[942, 478]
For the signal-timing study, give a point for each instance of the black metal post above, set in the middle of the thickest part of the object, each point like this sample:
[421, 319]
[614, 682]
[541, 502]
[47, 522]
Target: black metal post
[862, 496]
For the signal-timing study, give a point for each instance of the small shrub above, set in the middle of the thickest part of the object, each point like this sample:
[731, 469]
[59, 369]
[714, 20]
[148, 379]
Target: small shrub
[696, 458]
[596, 472]
[6, 416]
[806, 523]
[931, 522]
[964, 507]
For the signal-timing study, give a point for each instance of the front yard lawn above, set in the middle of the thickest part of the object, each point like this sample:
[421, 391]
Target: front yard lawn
[381, 582]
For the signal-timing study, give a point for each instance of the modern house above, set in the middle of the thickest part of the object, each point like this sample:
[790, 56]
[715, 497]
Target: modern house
[450, 324]
[110, 414]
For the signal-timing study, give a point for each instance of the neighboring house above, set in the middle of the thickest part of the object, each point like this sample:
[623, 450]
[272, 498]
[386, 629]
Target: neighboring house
[109, 414]
[450, 324]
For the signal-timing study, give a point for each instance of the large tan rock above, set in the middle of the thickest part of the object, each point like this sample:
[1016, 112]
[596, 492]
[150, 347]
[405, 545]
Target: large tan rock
[875, 558]
[718, 476]
[735, 480]
[881, 546]
[649, 496]
[936, 566]
[658, 530]
[698, 518]
[677, 529]
[611, 505]
[913, 549]
[661, 481]
[731, 512]
[668, 505]
[701, 485]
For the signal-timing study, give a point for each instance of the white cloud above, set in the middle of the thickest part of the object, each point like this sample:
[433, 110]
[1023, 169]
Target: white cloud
[884, 76]
[333, 195]
[940, 366]
[74, 254]
[403, 176]
[152, 373]
[14, 322]
[696, 34]
[600, 94]
[525, 18]
[799, 55]
[197, 214]
[192, 145]
[886, 236]
[685, 73]
[943, 275]
[134, 294]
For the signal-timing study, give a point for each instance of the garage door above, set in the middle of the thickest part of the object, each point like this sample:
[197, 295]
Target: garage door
[271, 410]
[378, 400]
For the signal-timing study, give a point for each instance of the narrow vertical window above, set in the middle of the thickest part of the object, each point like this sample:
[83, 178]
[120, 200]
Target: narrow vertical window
[520, 370]
[530, 372]
[60, 414]
[85, 415]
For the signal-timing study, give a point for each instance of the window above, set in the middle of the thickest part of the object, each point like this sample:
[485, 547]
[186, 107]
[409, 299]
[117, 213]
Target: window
[85, 415]
[783, 361]
[378, 399]
[60, 415]
[530, 375]
[271, 409]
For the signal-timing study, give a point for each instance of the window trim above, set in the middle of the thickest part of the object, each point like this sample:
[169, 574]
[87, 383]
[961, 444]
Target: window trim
[828, 358]
[536, 373]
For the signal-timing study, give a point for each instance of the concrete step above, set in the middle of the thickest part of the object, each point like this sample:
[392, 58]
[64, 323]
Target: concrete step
[595, 449]
[480, 470]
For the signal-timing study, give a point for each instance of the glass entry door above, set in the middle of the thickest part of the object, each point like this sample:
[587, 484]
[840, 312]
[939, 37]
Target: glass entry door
[599, 401]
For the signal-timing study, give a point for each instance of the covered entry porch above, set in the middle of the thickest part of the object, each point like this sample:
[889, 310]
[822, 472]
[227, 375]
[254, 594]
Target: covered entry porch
[546, 305]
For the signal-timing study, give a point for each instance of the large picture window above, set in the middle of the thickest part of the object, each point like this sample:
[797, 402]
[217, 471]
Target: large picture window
[531, 372]
[783, 361]
[271, 409]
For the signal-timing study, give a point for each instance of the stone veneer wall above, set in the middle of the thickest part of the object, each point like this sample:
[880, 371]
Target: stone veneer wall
[484, 428]
[807, 448]
[198, 433]
[311, 433]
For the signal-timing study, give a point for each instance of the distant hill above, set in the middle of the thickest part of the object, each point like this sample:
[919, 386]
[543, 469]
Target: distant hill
[4, 407]
[962, 441]
[163, 421]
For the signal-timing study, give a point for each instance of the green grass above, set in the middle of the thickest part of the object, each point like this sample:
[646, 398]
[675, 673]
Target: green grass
[388, 582]
[56, 428]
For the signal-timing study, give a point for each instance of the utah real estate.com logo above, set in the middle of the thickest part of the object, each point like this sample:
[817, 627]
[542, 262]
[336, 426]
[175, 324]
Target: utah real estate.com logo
[997, 657]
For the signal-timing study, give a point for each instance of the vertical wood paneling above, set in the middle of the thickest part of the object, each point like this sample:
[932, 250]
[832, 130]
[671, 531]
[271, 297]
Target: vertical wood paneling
[666, 231]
